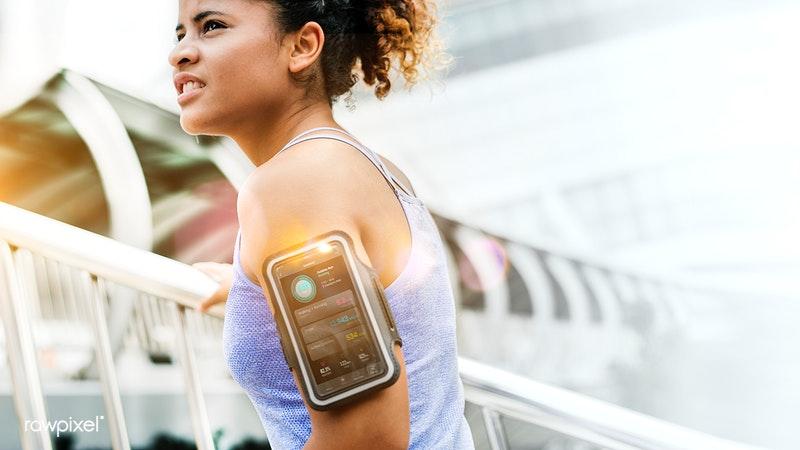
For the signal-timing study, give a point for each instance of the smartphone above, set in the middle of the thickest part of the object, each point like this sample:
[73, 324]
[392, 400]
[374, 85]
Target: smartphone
[335, 324]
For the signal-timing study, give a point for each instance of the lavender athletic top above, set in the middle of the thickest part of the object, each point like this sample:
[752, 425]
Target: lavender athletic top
[422, 303]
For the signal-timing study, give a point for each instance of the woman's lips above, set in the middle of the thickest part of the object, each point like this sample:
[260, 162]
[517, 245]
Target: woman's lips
[188, 96]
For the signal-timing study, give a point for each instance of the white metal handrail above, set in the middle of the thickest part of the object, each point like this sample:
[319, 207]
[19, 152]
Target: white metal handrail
[497, 392]
[575, 415]
[99, 258]
[105, 257]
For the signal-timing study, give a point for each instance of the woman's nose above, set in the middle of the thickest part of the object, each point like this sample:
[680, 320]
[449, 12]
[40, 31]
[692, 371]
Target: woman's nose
[183, 53]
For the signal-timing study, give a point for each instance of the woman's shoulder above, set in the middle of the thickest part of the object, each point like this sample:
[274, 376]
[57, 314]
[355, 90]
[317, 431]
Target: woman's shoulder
[312, 176]
[327, 167]
[316, 189]
[294, 166]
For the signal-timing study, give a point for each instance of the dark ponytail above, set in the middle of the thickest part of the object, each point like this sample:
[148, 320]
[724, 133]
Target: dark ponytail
[367, 35]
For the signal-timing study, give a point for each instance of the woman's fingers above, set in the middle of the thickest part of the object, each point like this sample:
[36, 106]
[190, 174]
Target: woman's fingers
[222, 274]
[209, 302]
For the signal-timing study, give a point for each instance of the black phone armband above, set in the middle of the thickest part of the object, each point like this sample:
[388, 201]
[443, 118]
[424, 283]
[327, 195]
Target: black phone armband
[336, 327]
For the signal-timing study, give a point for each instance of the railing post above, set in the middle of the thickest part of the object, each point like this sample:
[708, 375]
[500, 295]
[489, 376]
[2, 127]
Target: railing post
[94, 290]
[194, 392]
[494, 429]
[26, 385]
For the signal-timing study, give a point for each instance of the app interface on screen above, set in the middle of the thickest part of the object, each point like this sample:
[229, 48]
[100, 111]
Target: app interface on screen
[331, 325]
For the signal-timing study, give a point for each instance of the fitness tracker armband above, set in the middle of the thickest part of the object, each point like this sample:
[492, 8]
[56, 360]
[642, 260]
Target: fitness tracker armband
[335, 325]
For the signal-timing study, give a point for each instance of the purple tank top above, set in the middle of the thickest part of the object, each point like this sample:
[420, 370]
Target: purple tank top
[422, 302]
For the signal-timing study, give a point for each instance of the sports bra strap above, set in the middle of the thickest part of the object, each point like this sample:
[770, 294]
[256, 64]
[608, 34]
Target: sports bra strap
[291, 142]
[372, 156]
[375, 157]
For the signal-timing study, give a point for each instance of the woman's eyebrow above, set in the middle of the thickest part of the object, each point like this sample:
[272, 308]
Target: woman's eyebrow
[199, 17]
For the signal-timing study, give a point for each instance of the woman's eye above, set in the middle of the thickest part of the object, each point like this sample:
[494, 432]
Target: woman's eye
[211, 25]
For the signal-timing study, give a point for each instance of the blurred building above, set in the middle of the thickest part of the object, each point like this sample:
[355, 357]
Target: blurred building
[614, 182]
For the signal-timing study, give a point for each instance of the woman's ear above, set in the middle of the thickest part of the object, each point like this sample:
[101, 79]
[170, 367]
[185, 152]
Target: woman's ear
[306, 46]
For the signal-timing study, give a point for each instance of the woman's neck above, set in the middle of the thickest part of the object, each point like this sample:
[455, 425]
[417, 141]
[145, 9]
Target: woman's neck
[264, 140]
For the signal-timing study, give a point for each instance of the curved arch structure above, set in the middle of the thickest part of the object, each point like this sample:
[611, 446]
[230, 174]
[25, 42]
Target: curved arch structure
[95, 120]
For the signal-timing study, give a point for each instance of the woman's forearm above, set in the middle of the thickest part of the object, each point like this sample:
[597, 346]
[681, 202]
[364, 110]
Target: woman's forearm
[347, 439]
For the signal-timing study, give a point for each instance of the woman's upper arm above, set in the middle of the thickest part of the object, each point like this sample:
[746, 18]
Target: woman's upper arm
[380, 420]
[277, 211]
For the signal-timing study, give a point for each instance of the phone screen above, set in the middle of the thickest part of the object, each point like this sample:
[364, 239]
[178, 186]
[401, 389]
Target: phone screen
[328, 320]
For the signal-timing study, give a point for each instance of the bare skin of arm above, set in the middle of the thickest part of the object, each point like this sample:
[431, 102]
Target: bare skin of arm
[222, 273]
[288, 201]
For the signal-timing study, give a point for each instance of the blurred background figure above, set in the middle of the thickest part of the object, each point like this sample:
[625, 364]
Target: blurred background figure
[616, 182]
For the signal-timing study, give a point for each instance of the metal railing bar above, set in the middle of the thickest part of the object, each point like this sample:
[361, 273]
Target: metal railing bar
[39, 276]
[120, 303]
[205, 325]
[194, 392]
[108, 259]
[55, 284]
[25, 268]
[141, 330]
[192, 328]
[152, 317]
[576, 415]
[563, 425]
[494, 429]
[147, 317]
[65, 274]
[28, 395]
[95, 292]
[48, 286]
[23, 260]
[164, 318]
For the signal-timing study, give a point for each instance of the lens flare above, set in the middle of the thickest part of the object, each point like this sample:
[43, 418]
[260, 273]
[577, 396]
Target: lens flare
[484, 264]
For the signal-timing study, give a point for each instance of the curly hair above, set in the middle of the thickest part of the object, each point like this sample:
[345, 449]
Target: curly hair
[367, 36]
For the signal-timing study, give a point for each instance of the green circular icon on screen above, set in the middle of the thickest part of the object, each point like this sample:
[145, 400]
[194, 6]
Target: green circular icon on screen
[303, 288]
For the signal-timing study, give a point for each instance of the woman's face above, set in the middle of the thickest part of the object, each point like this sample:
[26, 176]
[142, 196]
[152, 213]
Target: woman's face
[230, 50]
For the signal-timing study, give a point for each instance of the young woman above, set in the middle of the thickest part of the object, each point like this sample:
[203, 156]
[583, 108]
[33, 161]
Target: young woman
[265, 73]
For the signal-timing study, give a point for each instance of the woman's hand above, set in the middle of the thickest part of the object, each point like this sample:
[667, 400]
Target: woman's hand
[222, 273]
